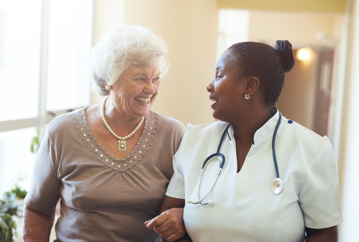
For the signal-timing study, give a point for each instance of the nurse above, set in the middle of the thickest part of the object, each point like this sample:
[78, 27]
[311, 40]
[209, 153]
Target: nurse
[241, 206]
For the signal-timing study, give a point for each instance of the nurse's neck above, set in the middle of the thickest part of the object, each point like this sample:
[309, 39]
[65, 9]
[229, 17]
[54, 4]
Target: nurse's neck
[246, 124]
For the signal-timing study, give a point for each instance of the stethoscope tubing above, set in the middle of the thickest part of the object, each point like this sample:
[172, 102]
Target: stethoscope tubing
[273, 146]
[277, 185]
[218, 153]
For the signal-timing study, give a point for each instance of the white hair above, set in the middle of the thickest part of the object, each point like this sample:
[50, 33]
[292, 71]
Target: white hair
[122, 46]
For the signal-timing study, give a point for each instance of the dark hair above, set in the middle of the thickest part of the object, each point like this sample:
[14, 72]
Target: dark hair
[266, 63]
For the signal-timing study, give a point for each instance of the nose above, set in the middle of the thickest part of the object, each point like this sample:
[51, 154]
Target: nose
[209, 87]
[149, 88]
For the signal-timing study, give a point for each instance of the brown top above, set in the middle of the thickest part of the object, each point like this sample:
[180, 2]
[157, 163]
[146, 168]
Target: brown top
[103, 198]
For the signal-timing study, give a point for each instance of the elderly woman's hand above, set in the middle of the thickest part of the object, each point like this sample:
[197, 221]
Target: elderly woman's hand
[169, 224]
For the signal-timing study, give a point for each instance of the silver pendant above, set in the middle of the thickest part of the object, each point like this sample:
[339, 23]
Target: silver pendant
[122, 145]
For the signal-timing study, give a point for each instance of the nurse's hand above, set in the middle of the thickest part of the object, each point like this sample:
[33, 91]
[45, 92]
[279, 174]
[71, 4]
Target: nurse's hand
[169, 224]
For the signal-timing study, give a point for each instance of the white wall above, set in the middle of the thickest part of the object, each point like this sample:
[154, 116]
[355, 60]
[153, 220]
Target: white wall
[348, 156]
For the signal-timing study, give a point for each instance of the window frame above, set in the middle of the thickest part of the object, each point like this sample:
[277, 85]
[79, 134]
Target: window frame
[44, 116]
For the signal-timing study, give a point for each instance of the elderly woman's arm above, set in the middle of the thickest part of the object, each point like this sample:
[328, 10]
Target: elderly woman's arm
[169, 224]
[37, 225]
[322, 235]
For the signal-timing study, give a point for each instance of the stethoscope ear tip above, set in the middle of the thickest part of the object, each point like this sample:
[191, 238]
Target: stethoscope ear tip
[188, 200]
[211, 202]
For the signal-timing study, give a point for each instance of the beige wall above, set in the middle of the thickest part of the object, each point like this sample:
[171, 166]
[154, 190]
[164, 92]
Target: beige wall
[301, 29]
[298, 95]
[190, 29]
[331, 6]
[107, 14]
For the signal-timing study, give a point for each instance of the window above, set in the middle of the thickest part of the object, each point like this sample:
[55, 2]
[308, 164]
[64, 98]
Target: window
[19, 61]
[45, 48]
[69, 42]
[15, 158]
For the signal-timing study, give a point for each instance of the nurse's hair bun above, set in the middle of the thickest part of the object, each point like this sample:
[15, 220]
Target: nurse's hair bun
[285, 52]
[266, 63]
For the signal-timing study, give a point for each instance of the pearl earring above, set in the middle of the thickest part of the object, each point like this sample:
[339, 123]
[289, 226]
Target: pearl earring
[108, 87]
[247, 96]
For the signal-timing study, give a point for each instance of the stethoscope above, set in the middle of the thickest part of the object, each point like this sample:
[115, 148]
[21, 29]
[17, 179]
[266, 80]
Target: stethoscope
[277, 184]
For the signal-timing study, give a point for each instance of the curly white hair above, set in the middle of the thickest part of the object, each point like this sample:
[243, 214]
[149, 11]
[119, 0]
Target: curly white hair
[122, 46]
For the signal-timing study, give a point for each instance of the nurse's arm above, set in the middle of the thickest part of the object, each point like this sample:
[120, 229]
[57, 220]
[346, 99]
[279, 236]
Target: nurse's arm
[322, 235]
[37, 225]
[169, 224]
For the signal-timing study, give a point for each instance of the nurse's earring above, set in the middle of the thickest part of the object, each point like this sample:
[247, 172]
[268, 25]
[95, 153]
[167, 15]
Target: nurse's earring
[247, 96]
[108, 87]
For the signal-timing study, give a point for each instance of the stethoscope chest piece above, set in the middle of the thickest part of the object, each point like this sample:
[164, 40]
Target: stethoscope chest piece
[277, 186]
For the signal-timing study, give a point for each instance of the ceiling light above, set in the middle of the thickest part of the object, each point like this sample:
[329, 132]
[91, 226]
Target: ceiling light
[304, 54]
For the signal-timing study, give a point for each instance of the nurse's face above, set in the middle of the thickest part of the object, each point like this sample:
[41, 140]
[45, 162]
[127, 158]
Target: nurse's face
[226, 89]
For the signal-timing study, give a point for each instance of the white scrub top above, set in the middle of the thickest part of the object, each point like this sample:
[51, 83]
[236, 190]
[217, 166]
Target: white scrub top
[245, 209]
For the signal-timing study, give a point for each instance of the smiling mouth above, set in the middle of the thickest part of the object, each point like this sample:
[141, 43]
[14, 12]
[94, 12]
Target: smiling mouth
[213, 99]
[143, 100]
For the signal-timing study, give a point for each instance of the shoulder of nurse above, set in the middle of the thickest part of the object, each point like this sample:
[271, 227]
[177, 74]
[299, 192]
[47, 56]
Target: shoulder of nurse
[297, 134]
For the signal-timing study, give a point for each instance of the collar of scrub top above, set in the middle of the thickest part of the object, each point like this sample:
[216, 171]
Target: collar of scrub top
[268, 130]
[265, 131]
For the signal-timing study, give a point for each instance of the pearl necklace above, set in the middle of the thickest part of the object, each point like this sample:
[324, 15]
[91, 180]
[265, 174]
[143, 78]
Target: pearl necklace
[121, 140]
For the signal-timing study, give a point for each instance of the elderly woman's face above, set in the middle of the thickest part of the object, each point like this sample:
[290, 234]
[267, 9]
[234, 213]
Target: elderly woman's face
[136, 89]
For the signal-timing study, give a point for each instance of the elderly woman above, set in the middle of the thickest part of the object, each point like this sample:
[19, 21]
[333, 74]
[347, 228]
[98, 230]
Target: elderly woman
[271, 179]
[110, 164]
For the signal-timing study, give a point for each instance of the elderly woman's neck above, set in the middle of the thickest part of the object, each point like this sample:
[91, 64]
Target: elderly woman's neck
[245, 126]
[117, 116]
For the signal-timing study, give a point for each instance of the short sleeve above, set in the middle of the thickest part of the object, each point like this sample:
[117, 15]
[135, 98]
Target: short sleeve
[319, 197]
[176, 187]
[45, 185]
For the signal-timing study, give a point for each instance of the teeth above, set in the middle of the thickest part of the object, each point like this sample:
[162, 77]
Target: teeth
[213, 100]
[143, 100]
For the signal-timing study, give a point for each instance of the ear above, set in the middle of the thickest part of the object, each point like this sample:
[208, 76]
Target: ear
[252, 84]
